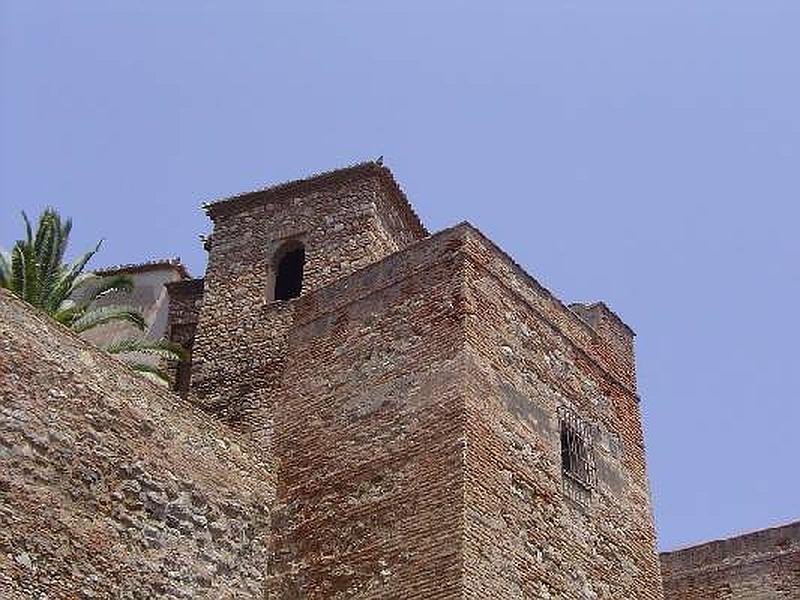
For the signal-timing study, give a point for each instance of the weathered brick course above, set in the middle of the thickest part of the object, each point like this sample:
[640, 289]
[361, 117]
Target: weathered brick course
[370, 434]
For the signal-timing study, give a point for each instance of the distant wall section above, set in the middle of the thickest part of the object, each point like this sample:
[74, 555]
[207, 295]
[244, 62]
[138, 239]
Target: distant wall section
[764, 565]
[185, 302]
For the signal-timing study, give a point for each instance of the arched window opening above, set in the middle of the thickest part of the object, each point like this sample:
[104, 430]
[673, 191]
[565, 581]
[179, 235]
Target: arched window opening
[289, 271]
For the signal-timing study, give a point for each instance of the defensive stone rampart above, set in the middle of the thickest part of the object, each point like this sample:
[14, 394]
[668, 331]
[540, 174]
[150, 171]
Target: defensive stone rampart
[112, 487]
[413, 417]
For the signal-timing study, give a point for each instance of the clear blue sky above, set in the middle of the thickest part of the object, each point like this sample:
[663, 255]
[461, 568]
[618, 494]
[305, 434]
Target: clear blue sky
[642, 153]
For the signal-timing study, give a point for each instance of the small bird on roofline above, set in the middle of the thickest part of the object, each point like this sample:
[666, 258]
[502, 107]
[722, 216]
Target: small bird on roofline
[379, 161]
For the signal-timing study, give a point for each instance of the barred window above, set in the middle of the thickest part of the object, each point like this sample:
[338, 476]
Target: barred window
[577, 453]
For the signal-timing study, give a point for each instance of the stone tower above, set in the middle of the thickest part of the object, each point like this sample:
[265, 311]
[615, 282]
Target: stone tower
[440, 425]
[330, 226]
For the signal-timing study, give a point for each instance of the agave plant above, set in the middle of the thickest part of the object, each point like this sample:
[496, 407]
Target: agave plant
[35, 271]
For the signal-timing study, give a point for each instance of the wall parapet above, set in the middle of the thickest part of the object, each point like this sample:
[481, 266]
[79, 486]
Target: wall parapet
[762, 564]
[321, 181]
[732, 551]
[575, 329]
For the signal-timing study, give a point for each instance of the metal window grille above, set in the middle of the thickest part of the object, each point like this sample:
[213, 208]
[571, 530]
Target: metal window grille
[577, 452]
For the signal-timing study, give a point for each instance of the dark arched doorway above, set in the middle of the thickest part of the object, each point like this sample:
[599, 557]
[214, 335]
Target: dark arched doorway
[289, 263]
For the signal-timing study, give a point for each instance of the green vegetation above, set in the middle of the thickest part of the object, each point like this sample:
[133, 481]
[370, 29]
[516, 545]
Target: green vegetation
[35, 271]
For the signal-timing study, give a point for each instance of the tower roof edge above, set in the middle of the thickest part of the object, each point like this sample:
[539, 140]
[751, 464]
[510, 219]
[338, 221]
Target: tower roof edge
[316, 182]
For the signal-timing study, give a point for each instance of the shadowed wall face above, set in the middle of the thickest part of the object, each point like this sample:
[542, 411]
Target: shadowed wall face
[185, 300]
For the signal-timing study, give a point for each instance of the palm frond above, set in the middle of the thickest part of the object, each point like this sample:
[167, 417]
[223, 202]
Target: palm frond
[108, 314]
[69, 312]
[51, 243]
[24, 274]
[150, 372]
[161, 348]
[46, 239]
[5, 269]
[46, 230]
[17, 270]
[66, 280]
[100, 286]
[82, 280]
[66, 227]
[28, 232]
[72, 308]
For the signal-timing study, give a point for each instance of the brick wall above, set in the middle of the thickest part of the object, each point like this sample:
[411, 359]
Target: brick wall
[529, 531]
[418, 445]
[111, 486]
[612, 332]
[764, 565]
[405, 407]
[369, 435]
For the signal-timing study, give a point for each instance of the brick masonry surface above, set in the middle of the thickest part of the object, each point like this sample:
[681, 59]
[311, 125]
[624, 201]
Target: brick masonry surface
[764, 565]
[112, 487]
[370, 434]
[526, 536]
[394, 432]
[408, 442]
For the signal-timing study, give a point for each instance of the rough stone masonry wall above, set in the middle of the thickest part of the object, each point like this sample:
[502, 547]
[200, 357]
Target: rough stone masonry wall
[346, 221]
[110, 486]
[764, 565]
[528, 355]
[369, 434]
[185, 301]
